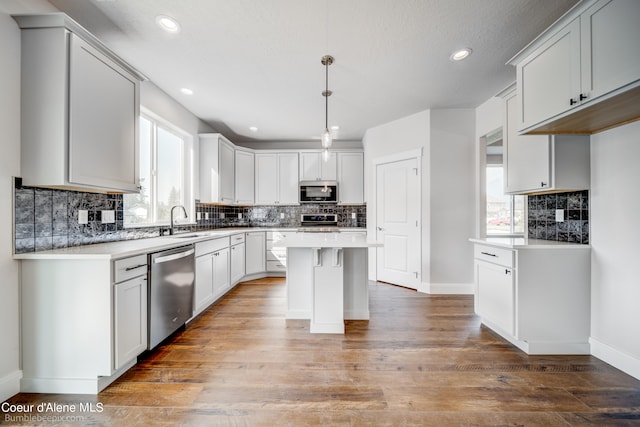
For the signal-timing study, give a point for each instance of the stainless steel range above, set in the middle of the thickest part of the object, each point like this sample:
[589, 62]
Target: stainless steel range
[319, 223]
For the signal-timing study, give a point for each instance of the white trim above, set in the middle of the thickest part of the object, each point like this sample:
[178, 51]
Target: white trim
[10, 385]
[360, 314]
[540, 347]
[72, 385]
[623, 361]
[447, 288]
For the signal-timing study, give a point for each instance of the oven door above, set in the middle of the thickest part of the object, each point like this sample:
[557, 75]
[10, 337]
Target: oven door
[319, 192]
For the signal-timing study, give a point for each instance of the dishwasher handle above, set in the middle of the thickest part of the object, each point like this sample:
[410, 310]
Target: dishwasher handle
[172, 257]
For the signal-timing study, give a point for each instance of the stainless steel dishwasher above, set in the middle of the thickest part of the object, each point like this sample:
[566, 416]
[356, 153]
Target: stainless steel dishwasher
[171, 281]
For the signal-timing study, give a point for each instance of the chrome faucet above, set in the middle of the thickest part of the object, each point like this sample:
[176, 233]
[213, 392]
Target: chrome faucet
[171, 231]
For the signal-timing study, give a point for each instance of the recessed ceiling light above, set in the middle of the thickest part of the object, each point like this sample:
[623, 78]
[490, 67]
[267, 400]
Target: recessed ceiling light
[253, 129]
[460, 54]
[186, 91]
[168, 24]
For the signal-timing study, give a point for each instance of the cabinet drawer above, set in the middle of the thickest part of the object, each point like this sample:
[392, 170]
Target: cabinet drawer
[237, 238]
[276, 266]
[494, 255]
[213, 245]
[277, 255]
[128, 268]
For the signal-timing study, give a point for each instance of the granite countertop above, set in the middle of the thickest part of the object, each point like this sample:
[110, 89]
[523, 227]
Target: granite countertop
[127, 248]
[527, 243]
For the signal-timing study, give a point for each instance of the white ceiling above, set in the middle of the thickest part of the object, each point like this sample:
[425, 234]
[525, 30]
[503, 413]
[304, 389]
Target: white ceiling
[257, 62]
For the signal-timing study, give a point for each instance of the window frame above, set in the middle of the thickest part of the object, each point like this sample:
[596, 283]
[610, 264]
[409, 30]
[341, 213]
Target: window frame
[187, 177]
[482, 191]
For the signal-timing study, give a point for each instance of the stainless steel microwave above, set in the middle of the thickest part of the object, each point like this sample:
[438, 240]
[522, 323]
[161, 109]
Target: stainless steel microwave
[318, 192]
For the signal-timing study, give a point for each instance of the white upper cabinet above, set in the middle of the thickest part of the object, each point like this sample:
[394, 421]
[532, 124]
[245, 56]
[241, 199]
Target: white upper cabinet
[581, 75]
[244, 177]
[351, 178]
[217, 169]
[314, 168]
[538, 163]
[549, 79]
[80, 109]
[276, 178]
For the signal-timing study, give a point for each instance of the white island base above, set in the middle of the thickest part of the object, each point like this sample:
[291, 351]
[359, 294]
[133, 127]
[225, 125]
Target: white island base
[327, 279]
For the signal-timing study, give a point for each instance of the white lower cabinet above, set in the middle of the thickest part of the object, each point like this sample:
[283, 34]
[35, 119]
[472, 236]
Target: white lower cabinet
[538, 298]
[221, 272]
[237, 263]
[212, 272]
[277, 257]
[255, 253]
[130, 320]
[494, 298]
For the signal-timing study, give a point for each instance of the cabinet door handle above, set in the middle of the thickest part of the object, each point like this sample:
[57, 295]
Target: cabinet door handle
[583, 97]
[317, 257]
[380, 229]
[507, 271]
[543, 184]
[488, 254]
[135, 267]
[572, 101]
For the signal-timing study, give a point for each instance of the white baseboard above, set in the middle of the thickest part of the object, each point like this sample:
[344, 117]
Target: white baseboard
[447, 288]
[356, 314]
[616, 358]
[10, 385]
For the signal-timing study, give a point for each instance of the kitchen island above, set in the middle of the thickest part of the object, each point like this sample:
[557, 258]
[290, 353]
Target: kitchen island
[327, 279]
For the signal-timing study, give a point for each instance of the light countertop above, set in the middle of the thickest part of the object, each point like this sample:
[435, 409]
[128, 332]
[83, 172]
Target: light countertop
[127, 248]
[326, 240]
[526, 243]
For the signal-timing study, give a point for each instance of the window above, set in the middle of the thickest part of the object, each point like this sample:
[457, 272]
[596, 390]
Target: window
[165, 174]
[504, 214]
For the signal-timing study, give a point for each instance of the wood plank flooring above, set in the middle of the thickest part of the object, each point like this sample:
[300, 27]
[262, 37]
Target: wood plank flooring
[420, 360]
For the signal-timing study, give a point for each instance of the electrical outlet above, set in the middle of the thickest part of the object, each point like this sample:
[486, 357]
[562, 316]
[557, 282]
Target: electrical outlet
[206, 215]
[353, 215]
[198, 216]
[83, 216]
[221, 215]
[281, 215]
[239, 215]
[559, 215]
[108, 217]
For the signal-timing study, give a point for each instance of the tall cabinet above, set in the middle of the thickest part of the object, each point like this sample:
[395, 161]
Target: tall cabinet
[80, 109]
[217, 169]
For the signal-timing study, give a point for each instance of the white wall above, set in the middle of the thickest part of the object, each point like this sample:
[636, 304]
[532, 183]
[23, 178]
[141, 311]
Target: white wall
[614, 234]
[489, 116]
[9, 166]
[10, 373]
[452, 195]
[405, 134]
[448, 190]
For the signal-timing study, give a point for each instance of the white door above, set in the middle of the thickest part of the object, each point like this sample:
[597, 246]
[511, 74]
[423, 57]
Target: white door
[397, 222]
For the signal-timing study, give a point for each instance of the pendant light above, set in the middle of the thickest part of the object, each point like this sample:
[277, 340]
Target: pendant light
[325, 137]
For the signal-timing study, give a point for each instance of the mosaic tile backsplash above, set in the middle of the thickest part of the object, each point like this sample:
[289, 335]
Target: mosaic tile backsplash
[47, 219]
[542, 217]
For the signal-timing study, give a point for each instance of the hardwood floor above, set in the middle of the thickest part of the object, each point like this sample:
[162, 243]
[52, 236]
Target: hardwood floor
[420, 360]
